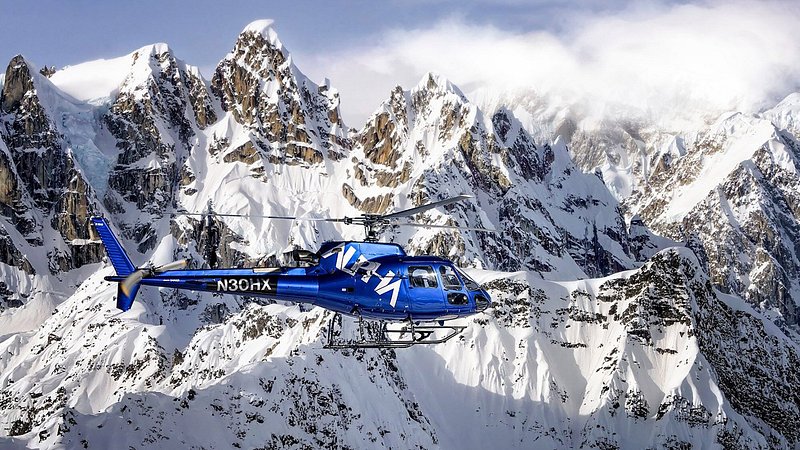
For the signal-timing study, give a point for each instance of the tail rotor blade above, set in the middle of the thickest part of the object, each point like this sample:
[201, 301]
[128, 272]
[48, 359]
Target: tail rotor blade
[131, 281]
[174, 265]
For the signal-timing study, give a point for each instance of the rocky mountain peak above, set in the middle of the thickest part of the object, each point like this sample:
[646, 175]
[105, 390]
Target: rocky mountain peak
[46, 199]
[502, 123]
[256, 55]
[786, 114]
[165, 86]
[434, 86]
[28, 127]
[432, 141]
[259, 85]
[263, 28]
[729, 189]
[154, 49]
[147, 62]
[435, 82]
[154, 134]
[26, 94]
[18, 82]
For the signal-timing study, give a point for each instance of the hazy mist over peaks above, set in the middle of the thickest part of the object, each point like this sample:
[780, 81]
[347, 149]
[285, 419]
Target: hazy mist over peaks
[671, 63]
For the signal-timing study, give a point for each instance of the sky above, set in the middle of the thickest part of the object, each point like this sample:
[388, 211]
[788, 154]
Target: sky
[655, 57]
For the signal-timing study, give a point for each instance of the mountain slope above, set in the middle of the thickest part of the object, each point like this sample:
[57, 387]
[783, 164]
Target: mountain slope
[736, 184]
[728, 181]
[617, 361]
[432, 141]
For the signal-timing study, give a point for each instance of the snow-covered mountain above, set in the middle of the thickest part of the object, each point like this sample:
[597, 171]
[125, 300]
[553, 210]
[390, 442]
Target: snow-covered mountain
[730, 182]
[601, 335]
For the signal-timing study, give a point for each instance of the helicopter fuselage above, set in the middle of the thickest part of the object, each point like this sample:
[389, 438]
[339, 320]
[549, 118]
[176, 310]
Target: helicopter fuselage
[371, 280]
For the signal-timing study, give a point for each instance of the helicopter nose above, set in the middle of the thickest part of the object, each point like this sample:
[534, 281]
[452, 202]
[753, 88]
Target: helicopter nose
[482, 301]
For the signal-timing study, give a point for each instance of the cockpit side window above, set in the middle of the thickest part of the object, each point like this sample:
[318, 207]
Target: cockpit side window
[457, 298]
[449, 278]
[469, 282]
[422, 276]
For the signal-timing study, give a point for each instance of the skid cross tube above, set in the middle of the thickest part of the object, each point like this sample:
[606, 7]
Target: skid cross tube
[417, 334]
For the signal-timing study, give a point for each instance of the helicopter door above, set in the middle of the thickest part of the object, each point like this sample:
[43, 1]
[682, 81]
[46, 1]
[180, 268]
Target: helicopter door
[424, 291]
[457, 298]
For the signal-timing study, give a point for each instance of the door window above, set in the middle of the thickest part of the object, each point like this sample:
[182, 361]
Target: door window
[449, 278]
[422, 276]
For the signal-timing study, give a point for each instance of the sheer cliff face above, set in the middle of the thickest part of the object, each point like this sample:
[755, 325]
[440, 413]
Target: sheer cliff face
[161, 106]
[44, 198]
[601, 339]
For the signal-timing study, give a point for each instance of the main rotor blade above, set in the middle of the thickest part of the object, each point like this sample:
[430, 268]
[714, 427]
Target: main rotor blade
[425, 207]
[256, 216]
[174, 265]
[131, 281]
[447, 227]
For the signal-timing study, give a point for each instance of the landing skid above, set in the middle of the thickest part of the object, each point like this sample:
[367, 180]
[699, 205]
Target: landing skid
[410, 334]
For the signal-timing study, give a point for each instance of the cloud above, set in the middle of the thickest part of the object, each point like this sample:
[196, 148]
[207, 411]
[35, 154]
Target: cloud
[679, 61]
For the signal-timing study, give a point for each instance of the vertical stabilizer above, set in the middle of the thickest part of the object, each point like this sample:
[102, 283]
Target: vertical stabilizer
[116, 254]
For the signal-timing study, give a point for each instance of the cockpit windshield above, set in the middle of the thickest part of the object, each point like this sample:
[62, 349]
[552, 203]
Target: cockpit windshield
[469, 282]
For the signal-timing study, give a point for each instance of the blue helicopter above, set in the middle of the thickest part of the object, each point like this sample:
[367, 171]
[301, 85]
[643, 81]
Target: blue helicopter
[365, 279]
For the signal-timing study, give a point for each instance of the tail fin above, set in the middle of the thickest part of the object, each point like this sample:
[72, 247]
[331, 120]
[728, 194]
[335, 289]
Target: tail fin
[125, 301]
[119, 259]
